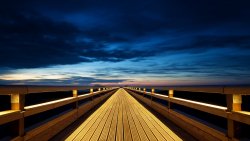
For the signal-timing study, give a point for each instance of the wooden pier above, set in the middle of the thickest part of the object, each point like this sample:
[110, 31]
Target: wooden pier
[124, 113]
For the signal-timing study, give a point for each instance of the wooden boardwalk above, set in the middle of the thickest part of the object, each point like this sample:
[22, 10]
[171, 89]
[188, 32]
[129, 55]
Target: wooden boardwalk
[120, 118]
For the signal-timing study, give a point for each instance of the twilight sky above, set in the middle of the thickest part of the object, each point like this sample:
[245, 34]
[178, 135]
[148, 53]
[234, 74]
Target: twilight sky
[139, 42]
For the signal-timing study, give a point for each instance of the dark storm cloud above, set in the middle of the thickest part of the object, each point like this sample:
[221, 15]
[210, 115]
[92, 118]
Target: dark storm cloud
[29, 40]
[43, 33]
[240, 41]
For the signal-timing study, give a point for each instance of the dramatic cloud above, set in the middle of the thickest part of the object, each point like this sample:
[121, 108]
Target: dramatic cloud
[116, 40]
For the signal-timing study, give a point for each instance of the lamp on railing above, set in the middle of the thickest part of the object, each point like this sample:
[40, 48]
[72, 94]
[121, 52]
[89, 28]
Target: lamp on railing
[170, 95]
[17, 102]
[75, 93]
[152, 91]
[91, 90]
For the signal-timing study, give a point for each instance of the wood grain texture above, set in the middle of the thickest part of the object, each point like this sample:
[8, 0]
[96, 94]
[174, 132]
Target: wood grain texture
[122, 118]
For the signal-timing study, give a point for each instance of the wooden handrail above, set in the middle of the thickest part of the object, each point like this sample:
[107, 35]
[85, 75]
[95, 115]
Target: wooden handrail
[38, 108]
[244, 90]
[9, 89]
[232, 112]
[19, 111]
[9, 115]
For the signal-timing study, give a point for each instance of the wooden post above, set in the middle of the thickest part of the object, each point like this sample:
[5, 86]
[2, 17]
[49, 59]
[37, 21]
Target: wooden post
[233, 104]
[91, 90]
[17, 103]
[152, 91]
[75, 94]
[144, 91]
[151, 97]
[170, 95]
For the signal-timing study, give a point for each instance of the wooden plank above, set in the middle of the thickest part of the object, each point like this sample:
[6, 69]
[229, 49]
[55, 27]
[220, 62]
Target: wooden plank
[163, 129]
[146, 128]
[101, 125]
[201, 126]
[147, 123]
[127, 133]
[5, 90]
[26, 89]
[160, 96]
[161, 106]
[209, 108]
[112, 130]
[245, 90]
[10, 115]
[134, 132]
[105, 131]
[119, 130]
[38, 108]
[240, 116]
[84, 109]
[138, 125]
[84, 96]
[46, 131]
[94, 126]
[18, 138]
[88, 122]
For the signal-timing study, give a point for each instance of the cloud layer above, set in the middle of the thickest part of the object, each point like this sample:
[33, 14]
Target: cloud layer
[43, 34]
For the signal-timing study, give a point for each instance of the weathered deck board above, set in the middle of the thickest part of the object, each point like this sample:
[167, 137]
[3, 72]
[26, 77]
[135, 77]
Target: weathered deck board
[122, 118]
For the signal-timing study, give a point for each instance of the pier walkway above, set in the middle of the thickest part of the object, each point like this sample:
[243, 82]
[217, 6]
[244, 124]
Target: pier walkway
[122, 117]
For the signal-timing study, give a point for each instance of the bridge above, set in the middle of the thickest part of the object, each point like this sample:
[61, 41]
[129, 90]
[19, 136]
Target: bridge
[129, 113]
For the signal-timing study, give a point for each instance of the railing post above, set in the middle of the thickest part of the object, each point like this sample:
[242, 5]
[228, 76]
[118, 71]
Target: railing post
[75, 94]
[152, 91]
[91, 91]
[17, 103]
[233, 104]
[99, 89]
[170, 95]
[144, 91]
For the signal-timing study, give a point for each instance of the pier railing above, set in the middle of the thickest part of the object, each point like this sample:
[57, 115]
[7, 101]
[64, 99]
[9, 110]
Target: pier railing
[15, 118]
[231, 112]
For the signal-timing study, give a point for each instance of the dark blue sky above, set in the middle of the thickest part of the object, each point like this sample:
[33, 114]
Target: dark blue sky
[152, 42]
